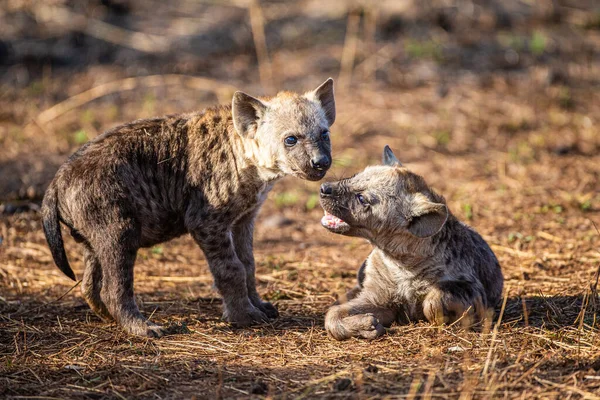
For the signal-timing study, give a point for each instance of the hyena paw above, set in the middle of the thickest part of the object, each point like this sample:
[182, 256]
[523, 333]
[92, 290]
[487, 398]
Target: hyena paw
[364, 326]
[145, 328]
[268, 309]
[246, 316]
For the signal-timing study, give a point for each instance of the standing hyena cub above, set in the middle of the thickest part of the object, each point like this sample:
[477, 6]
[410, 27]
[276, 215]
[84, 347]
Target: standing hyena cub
[426, 264]
[205, 173]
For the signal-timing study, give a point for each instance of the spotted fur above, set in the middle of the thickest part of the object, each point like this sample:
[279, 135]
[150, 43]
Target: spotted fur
[205, 173]
[426, 264]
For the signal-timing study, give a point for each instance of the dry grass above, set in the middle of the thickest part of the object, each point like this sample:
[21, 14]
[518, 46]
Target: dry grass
[515, 156]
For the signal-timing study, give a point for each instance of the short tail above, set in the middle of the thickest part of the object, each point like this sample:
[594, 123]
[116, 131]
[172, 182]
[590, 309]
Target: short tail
[54, 238]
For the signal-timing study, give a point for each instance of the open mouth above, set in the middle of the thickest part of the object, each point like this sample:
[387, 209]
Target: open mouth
[333, 223]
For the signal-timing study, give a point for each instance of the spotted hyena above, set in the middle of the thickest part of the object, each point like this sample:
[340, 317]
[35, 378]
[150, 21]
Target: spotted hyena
[426, 264]
[205, 173]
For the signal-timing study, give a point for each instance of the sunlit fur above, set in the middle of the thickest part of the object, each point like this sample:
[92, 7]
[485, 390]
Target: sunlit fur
[205, 173]
[425, 265]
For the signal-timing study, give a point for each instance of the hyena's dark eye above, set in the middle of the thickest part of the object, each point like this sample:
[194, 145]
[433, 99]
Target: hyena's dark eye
[361, 199]
[290, 141]
[325, 136]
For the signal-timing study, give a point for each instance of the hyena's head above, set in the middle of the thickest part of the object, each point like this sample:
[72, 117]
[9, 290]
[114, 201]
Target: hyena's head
[383, 202]
[290, 131]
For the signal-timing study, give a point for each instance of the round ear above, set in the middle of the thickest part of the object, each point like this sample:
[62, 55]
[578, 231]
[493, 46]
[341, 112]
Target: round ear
[246, 111]
[430, 221]
[389, 158]
[324, 94]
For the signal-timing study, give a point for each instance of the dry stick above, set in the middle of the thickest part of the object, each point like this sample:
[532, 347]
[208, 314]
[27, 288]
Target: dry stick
[127, 84]
[525, 312]
[58, 299]
[257, 23]
[414, 388]
[494, 334]
[427, 389]
[65, 293]
[349, 51]
[145, 42]
[594, 286]
[370, 39]
[583, 393]
[376, 59]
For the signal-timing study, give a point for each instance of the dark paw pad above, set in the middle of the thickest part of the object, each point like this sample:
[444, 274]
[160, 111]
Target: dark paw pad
[245, 317]
[269, 310]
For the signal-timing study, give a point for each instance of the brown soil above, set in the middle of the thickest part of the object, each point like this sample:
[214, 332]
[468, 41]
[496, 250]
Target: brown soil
[512, 144]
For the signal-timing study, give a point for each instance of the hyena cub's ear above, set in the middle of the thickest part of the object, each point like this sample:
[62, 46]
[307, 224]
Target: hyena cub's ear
[428, 217]
[246, 111]
[389, 158]
[324, 94]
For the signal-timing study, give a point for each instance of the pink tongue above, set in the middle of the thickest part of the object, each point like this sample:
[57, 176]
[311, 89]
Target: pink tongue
[331, 219]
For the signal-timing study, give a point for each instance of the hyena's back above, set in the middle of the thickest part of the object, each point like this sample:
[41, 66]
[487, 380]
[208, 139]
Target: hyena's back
[139, 173]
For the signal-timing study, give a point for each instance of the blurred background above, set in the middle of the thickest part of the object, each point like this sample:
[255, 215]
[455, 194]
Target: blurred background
[427, 76]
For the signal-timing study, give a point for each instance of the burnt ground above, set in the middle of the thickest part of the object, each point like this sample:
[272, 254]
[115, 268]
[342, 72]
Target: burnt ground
[496, 104]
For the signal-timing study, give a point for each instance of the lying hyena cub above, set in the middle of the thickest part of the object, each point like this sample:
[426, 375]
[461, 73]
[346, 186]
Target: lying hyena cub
[205, 173]
[426, 263]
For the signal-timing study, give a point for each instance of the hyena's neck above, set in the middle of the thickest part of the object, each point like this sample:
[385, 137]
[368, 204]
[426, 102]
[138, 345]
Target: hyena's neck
[250, 155]
[412, 251]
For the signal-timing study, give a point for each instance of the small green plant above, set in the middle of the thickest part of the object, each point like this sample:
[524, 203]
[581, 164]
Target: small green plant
[565, 99]
[312, 202]
[157, 250]
[343, 161]
[286, 199]
[523, 153]
[537, 43]
[442, 138]
[112, 112]
[514, 236]
[468, 210]
[88, 116]
[423, 49]
[80, 137]
[586, 205]
[555, 208]
[277, 295]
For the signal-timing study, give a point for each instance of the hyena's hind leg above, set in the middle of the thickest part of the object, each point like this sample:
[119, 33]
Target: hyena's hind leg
[91, 284]
[358, 318]
[116, 252]
[458, 300]
[355, 291]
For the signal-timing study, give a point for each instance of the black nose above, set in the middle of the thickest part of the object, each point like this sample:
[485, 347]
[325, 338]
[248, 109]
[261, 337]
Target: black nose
[320, 163]
[326, 189]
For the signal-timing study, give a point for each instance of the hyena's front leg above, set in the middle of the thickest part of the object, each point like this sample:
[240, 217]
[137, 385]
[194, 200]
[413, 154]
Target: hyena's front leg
[358, 318]
[230, 277]
[243, 233]
[355, 291]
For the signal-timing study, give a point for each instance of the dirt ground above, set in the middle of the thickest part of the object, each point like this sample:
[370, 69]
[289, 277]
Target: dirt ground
[496, 104]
